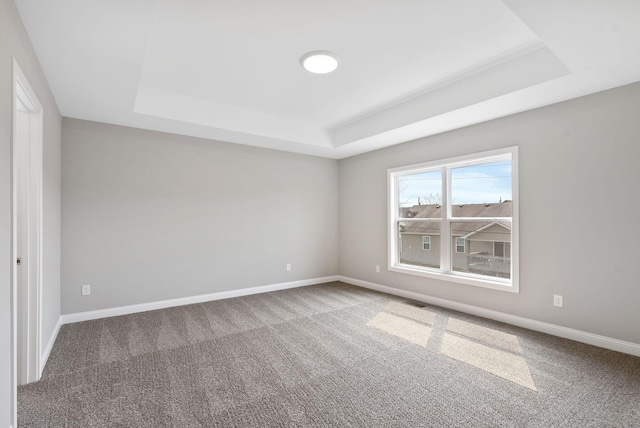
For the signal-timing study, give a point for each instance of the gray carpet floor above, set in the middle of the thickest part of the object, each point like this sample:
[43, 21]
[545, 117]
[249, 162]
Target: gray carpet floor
[325, 355]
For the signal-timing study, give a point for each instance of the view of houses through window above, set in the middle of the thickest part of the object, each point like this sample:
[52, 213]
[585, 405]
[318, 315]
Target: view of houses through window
[469, 231]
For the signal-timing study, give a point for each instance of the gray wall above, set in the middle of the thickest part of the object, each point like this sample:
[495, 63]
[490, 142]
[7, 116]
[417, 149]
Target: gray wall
[149, 216]
[15, 43]
[579, 203]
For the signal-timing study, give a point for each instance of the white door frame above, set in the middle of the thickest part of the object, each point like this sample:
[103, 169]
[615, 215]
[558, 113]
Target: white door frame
[24, 98]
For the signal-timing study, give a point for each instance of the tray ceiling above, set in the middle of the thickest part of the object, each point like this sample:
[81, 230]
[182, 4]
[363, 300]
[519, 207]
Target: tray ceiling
[230, 71]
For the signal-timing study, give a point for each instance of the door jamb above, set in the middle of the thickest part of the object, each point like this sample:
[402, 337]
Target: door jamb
[23, 92]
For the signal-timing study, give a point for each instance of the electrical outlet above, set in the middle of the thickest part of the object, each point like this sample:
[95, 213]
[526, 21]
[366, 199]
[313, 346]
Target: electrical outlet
[557, 300]
[86, 290]
[288, 267]
[377, 268]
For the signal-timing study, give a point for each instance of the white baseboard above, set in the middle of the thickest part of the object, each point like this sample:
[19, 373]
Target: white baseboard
[142, 307]
[555, 330]
[44, 356]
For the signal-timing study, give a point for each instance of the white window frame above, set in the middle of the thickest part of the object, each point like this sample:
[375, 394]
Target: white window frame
[464, 246]
[445, 272]
[426, 241]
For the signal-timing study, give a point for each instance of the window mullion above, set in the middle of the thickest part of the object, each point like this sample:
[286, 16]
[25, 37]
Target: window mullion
[394, 252]
[445, 226]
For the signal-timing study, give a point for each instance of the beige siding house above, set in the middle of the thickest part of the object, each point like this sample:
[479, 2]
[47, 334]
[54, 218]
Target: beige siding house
[482, 247]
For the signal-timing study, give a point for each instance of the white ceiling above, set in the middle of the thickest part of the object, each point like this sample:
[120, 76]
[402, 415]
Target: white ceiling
[229, 70]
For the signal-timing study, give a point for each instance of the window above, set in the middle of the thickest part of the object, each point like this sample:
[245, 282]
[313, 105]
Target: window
[465, 210]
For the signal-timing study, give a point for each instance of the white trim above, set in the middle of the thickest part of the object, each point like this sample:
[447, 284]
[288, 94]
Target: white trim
[151, 306]
[453, 162]
[47, 350]
[552, 329]
[445, 271]
[515, 222]
[24, 98]
[493, 283]
[446, 258]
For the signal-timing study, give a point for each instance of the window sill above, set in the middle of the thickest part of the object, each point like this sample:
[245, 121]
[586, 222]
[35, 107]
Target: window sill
[461, 278]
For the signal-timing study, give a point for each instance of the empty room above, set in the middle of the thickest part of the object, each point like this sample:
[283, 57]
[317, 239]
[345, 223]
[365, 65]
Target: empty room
[317, 213]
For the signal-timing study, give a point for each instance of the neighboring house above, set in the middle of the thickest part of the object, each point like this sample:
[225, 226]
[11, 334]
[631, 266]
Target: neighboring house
[482, 247]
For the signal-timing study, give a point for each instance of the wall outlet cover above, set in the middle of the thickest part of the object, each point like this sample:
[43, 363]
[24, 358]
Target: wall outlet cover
[557, 300]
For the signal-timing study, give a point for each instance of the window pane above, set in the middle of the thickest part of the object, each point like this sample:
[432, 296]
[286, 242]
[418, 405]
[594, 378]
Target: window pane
[411, 240]
[482, 190]
[481, 239]
[477, 213]
[419, 192]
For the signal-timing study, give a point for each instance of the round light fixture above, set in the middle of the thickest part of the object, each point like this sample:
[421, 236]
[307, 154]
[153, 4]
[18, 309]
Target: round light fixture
[319, 62]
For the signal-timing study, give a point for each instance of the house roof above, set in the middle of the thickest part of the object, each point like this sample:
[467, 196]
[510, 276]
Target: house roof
[503, 209]
[487, 227]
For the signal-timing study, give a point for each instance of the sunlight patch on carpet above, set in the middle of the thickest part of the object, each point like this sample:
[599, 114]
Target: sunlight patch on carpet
[403, 328]
[504, 364]
[486, 335]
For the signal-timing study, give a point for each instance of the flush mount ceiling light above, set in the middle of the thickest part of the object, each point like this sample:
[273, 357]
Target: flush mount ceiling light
[319, 62]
